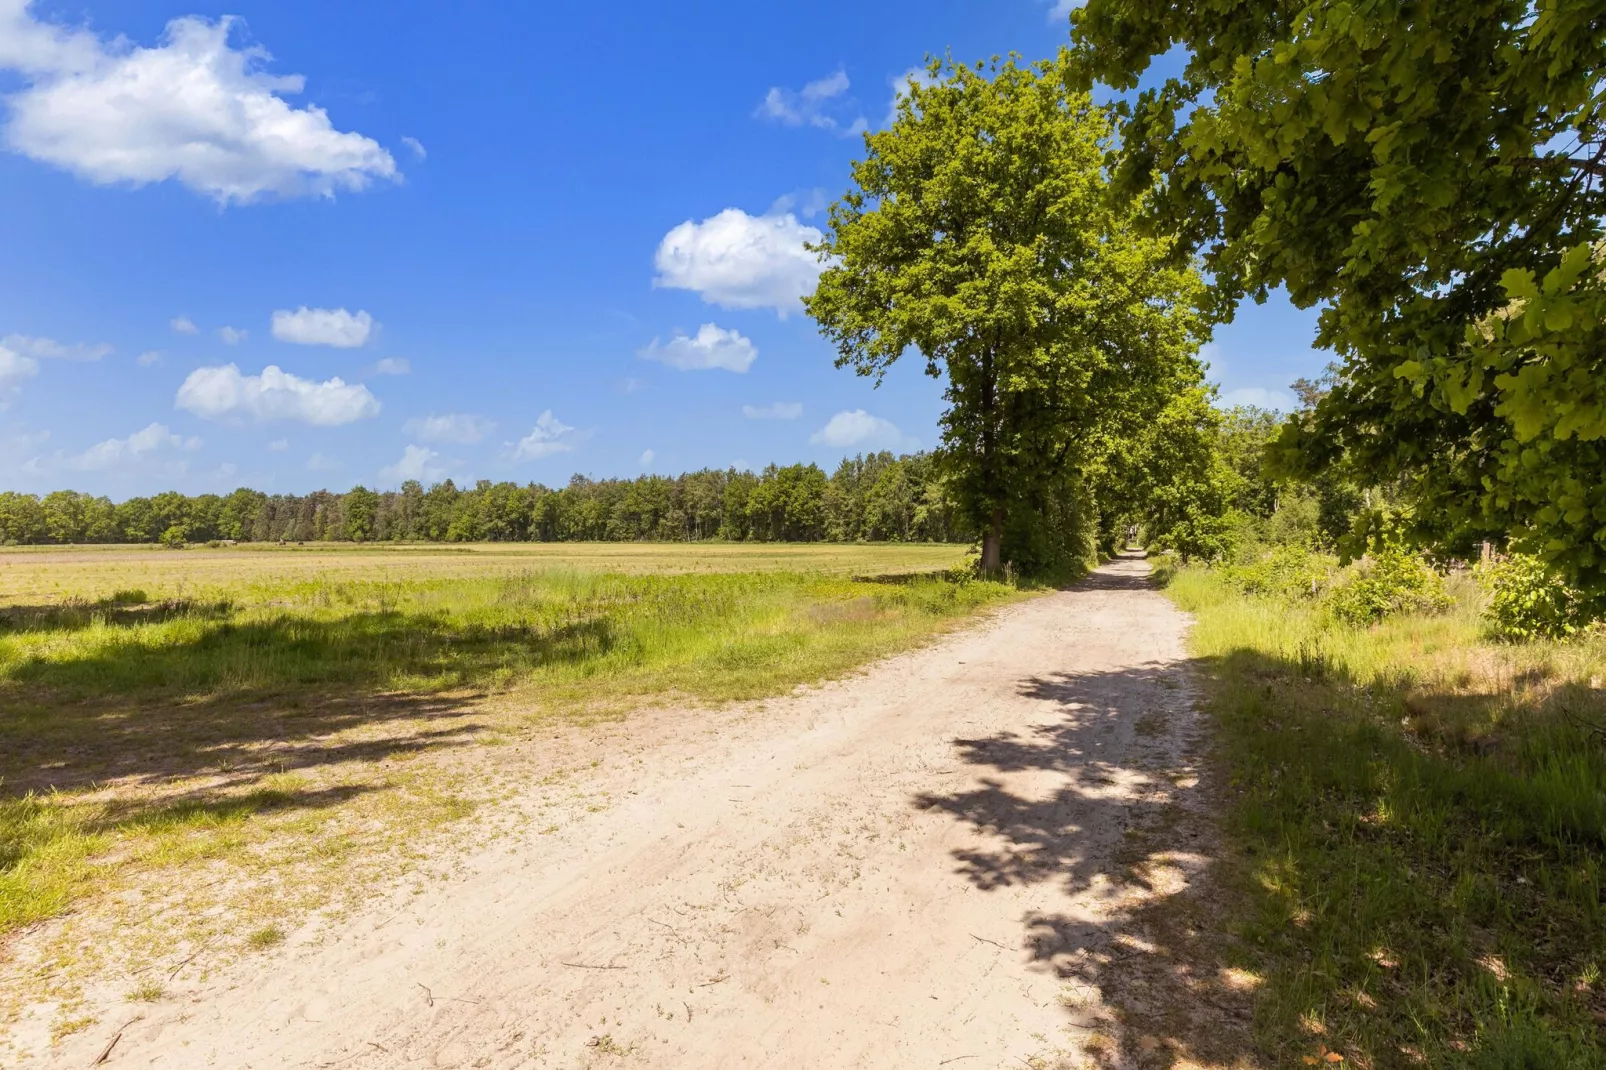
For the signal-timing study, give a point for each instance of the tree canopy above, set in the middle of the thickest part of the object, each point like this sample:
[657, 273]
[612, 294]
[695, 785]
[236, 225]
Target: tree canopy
[979, 233]
[874, 497]
[1431, 174]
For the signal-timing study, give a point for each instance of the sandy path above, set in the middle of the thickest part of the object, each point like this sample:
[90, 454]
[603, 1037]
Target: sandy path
[938, 862]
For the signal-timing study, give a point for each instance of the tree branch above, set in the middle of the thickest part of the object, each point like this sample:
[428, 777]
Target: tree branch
[1595, 166]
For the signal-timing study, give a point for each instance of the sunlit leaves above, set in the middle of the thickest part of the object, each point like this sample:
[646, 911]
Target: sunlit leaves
[980, 233]
[1430, 175]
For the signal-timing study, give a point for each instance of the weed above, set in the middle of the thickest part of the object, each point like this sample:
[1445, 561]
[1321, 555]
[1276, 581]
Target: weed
[264, 938]
[66, 1027]
[145, 992]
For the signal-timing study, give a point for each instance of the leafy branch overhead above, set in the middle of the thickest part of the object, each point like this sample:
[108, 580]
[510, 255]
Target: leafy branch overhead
[1411, 169]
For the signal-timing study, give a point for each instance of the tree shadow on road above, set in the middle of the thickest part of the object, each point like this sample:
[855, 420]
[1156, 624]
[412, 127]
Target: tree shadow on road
[235, 701]
[1126, 830]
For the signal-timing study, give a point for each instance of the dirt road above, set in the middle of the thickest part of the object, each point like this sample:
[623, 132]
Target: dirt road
[966, 856]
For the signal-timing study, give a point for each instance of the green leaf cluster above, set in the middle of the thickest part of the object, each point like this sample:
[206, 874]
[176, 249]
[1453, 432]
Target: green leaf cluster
[1528, 601]
[1392, 582]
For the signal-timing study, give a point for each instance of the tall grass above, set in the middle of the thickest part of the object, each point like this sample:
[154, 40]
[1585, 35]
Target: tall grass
[714, 636]
[1420, 816]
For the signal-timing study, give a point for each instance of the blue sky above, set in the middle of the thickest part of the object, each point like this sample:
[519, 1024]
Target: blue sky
[289, 245]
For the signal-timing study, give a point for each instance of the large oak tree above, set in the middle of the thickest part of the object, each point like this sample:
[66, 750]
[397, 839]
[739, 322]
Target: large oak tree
[980, 235]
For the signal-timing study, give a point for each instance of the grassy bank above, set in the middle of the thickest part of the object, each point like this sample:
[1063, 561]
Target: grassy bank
[272, 731]
[1419, 821]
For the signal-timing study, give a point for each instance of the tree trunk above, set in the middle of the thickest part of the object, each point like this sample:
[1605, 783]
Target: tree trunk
[992, 544]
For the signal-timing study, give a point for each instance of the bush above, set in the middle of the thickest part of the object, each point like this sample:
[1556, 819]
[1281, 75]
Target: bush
[1528, 601]
[1391, 582]
[1291, 571]
[1296, 521]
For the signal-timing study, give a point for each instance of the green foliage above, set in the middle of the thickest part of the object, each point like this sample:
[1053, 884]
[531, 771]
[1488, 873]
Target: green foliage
[788, 504]
[874, 498]
[1291, 572]
[979, 234]
[1527, 600]
[1539, 365]
[1297, 519]
[1245, 430]
[1172, 478]
[1431, 175]
[1390, 583]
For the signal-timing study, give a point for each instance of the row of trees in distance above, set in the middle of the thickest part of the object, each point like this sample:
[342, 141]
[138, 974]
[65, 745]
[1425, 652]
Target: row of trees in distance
[872, 498]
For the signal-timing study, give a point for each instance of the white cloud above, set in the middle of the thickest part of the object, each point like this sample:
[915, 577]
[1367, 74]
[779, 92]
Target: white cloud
[735, 260]
[900, 89]
[318, 462]
[149, 358]
[812, 105]
[807, 203]
[222, 393]
[49, 349]
[391, 366]
[416, 146]
[417, 462]
[1061, 9]
[232, 336]
[859, 428]
[183, 325]
[278, 445]
[192, 109]
[323, 327]
[781, 410]
[17, 456]
[227, 469]
[14, 368]
[646, 459]
[1260, 397]
[549, 436]
[711, 347]
[116, 452]
[461, 428]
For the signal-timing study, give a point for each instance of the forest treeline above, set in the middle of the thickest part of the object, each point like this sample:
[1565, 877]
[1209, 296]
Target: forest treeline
[875, 498]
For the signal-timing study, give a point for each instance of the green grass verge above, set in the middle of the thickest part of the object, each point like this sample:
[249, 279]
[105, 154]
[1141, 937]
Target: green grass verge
[1419, 828]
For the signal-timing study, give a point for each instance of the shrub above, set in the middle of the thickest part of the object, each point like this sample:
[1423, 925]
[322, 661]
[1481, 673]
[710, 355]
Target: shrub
[1291, 571]
[1527, 601]
[1390, 582]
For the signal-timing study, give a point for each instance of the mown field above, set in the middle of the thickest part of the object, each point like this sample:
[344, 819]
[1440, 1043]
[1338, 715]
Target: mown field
[212, 743]
[1419, 822]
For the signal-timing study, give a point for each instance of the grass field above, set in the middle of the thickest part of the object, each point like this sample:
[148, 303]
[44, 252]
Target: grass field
[57, 573]
[1420, 824]
[276, 720]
